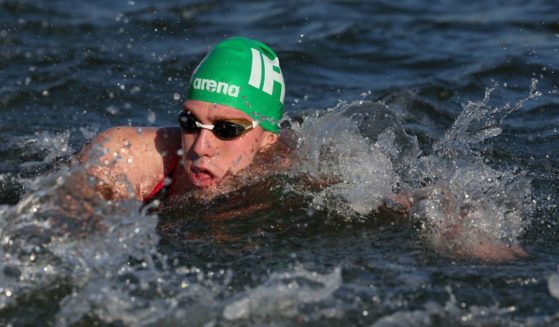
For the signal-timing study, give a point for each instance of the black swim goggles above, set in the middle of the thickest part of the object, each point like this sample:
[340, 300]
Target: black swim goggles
[223, 129]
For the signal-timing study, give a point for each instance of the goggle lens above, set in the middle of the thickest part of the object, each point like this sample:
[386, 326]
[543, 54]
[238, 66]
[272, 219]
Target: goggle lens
[223, 129]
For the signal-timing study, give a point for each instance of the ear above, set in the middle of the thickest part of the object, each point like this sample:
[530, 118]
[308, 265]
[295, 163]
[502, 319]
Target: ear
[268, 139]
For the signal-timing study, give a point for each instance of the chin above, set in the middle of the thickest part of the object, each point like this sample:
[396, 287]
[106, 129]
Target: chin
[202, 183]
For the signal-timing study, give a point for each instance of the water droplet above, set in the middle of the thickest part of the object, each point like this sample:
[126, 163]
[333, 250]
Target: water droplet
[151, 117]
[112, 110]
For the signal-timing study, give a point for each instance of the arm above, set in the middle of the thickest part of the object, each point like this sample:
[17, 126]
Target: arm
[459, 230]
[128, 162]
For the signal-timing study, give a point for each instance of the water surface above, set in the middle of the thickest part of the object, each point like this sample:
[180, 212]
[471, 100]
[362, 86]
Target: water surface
[382, 96]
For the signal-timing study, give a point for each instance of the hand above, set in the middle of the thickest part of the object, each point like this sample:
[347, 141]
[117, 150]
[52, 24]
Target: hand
[459, 230]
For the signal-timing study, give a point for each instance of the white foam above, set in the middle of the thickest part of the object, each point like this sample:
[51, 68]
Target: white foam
[357, 170]
[467, 202]
[283, 294]
[553, 285]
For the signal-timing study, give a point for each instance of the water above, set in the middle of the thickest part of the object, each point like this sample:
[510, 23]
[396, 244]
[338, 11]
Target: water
[456, 100]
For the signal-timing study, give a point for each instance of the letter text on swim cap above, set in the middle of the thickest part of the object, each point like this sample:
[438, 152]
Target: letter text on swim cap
[270, 75]
[216, 87]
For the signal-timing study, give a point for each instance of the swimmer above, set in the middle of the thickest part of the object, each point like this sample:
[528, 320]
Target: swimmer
[231, 115]
[228, 127]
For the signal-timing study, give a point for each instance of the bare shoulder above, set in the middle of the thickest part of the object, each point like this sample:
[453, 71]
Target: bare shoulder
[130, 161]
[122, 141]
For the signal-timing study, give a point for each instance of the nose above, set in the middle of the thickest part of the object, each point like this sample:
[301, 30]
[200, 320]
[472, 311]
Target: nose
[204, 145]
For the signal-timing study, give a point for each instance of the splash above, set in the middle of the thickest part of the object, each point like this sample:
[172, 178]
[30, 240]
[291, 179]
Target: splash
[43, 149]
[478, 122]
[553, 285]
[450, 313]
[355, 150]
[465, 207]
[29, 156]
[283, 294]
[61, 237]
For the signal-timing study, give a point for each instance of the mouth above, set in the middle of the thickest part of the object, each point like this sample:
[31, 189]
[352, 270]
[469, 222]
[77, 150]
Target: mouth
[202, 177]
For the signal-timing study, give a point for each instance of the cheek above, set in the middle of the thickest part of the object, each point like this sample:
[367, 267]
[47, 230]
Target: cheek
[249, 149]
[187, 142]
[242, 154]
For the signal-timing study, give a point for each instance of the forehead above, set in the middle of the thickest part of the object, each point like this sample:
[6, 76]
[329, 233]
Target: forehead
[212, 111]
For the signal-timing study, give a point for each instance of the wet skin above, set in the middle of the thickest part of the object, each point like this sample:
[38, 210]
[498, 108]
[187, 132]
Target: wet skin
[207, 159]
[129, 161]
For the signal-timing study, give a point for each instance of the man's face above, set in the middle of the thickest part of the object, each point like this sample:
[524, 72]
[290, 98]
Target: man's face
[208, 159]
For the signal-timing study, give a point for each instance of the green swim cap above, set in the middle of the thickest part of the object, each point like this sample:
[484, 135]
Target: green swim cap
[244, 74]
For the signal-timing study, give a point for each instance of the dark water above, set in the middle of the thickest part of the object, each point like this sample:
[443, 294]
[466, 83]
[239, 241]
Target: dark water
[70, 69]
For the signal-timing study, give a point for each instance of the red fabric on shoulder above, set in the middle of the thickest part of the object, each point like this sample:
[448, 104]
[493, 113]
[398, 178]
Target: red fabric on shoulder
[161, 184]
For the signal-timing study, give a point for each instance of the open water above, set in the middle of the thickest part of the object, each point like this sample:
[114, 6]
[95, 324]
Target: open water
[436, 97]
